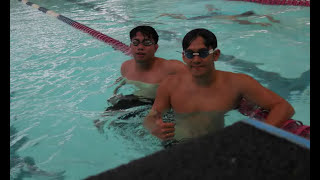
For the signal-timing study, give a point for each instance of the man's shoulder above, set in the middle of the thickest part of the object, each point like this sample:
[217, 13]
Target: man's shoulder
[174, 62]
[168, 61]
[170, 83]
[127, 62]
[242, 76]
[236, 78]
[172, 80]
[125, 66]
[174, 66]
[234, 75]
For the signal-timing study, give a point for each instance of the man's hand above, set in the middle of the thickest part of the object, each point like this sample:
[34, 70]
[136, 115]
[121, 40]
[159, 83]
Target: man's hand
[154, 123]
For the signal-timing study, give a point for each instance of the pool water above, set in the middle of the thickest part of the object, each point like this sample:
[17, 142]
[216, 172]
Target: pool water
[61, 78]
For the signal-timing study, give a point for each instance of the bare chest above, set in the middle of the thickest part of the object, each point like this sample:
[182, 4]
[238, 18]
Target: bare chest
[204, 100]
[153, 77]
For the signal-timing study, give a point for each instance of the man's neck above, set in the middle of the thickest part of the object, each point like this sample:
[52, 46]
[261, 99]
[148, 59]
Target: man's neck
[145, 66]
[206, 80]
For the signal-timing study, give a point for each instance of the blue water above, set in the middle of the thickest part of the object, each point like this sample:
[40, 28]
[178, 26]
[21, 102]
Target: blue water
[60, 77]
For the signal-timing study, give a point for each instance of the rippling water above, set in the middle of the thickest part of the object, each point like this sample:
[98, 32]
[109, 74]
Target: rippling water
[60, 78]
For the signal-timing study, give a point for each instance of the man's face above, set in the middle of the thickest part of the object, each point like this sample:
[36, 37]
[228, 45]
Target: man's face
[143, 48]
[200, 66]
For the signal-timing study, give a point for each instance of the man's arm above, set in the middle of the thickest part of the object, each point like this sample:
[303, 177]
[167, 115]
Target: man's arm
[153, 122]
[124, 67]
[279, 109]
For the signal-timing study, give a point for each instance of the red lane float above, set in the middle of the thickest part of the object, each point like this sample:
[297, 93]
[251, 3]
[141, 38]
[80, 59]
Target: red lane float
[280, 2]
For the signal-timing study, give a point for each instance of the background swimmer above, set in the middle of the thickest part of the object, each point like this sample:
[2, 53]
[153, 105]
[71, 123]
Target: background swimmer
[213, 13]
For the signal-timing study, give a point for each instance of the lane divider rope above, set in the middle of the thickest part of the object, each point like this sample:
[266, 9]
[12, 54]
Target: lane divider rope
[280, 2]
[117, 45]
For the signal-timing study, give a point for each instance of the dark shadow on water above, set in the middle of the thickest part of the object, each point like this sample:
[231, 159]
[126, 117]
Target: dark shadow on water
[274, 81]
[25, 167]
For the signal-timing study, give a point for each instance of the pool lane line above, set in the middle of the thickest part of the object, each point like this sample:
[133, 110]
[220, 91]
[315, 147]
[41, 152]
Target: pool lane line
[280, 2]
[117, 45]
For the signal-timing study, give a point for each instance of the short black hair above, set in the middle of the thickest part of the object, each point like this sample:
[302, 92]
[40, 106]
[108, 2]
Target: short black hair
[210, 39]
[148, 31]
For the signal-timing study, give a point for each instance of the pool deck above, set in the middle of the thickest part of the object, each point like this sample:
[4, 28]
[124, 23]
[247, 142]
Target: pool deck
[248, 149]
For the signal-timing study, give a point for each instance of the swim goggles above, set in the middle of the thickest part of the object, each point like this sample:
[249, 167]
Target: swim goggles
[202, 53]
[147, 42]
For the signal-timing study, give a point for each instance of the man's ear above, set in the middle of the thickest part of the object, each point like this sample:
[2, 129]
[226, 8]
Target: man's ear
[156, 46]
[216, 54]
[184, 57]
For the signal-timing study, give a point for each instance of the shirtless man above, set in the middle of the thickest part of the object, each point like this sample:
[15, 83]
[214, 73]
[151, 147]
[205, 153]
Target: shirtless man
[145, 71]
[201, 97]
[145, 66]
[212, 13]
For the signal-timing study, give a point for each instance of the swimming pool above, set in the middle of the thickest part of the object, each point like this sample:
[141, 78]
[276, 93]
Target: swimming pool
[60, 77]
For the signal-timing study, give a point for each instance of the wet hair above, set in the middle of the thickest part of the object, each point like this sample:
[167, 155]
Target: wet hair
[147, 31]
[210, 39]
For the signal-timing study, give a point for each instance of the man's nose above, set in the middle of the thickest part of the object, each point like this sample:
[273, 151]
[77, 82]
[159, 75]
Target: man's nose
[140, 46]
[196, 59]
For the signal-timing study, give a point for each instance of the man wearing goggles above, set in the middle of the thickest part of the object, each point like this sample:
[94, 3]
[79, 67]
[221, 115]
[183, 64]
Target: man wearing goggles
[201, 97]
[145, 71]
[145, 66]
